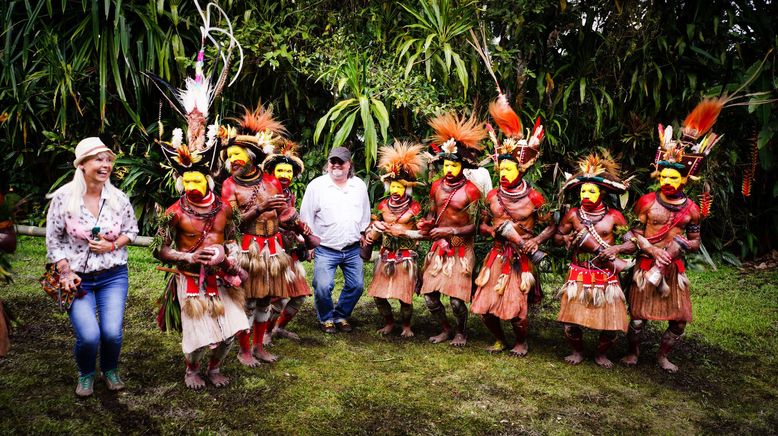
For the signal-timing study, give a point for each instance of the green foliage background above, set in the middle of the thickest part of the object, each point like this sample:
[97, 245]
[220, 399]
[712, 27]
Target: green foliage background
[363, 72]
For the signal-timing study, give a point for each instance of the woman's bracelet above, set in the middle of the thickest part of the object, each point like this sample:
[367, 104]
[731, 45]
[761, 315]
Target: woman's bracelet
[114, 246]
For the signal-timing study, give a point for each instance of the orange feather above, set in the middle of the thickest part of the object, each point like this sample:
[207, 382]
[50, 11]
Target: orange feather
[468, 132]
[506, 117]
[260, 120]
[703, 117]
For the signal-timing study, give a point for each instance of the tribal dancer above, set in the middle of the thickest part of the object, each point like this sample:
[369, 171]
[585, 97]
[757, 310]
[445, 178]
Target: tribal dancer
[669, 228]
[507, 275]
[395, 274]
[193, 235]
[259, 198]
[285, 165]
[592, 296]
[193, 230]
[451, 223]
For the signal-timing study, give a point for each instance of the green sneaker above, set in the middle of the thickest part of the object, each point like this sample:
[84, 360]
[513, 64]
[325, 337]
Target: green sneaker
[85, 386]
[113, 381]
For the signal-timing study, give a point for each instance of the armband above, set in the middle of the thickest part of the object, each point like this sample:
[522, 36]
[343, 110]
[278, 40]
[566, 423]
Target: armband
[693, 228]
[682, 242]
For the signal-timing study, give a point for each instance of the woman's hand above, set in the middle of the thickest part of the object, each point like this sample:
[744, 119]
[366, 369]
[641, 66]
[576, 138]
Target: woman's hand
[69, 280]
[101, 246]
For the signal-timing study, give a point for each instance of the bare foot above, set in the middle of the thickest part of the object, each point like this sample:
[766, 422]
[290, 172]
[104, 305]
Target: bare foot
[407, 332]
[459, 340]
[217, 378]
[267, 340]
[498, 347]
[575, 358]
[385, 330]
[283, 333]
[193, 380]
[603, 361]
[443, 336]
[630, 360]
[519, 350]
[666, 364]
[264, 355]
[246, 359]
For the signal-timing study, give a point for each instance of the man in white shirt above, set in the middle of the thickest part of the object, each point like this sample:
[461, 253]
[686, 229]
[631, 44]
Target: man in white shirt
[337, 208]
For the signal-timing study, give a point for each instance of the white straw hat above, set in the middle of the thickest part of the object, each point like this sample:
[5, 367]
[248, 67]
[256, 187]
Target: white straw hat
[89, 147]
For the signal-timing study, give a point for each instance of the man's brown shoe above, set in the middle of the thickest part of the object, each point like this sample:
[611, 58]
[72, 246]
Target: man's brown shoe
[344, 326]
[329, 327]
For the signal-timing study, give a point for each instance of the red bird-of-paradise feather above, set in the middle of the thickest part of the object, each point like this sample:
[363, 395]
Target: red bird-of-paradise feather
[703, 117]
[505, 117]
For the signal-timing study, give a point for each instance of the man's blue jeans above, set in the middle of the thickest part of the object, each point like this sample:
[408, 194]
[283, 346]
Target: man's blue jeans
[325, 262]
[106, 294]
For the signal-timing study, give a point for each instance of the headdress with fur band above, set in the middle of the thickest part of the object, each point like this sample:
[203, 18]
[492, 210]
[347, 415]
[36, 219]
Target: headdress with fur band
[600, 169]
[285, 152]
[457, 139]
[514, 146]
[257, 130]
[198, 151]
[686, 153]
[401, 162]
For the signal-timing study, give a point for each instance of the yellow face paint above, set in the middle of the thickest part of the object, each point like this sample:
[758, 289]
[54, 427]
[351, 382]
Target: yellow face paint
[195, 181]
[397, 188]
[671, 177]
[237, 153]
[590, 193]
[283, 171]
[509, 170]
[452, 167]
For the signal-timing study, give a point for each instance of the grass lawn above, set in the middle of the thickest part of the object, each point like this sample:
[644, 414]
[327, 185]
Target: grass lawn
[361, 383]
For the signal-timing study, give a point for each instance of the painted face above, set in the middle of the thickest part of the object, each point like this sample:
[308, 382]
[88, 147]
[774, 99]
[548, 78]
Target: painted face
[671, 182]
[451, 169]
[98, 168]
[195, 185]
[237, 157]
[590, 194]
[396, 190]
[509, 173]
[284, 173]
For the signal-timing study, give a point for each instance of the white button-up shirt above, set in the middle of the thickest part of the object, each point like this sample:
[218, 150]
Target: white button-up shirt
[337, 215]
[67, 235]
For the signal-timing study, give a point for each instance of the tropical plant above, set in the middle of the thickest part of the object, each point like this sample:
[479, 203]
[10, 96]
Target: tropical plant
[363, 101]
[437, 34]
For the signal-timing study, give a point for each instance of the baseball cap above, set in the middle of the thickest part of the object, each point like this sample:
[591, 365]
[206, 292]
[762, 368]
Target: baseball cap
[341, 153]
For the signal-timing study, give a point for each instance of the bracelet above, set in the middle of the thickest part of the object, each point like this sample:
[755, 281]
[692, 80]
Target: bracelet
[114, 246]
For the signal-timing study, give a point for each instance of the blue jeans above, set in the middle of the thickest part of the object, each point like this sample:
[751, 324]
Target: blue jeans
[106, 295]
[325, 262]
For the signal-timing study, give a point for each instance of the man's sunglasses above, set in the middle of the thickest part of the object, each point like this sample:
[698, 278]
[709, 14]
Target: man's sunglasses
[336, 161]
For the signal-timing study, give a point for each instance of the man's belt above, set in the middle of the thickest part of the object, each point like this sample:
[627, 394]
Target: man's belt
[264, 228]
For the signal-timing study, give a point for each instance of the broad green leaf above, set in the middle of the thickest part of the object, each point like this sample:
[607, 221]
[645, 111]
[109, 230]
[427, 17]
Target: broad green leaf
[582, 88]
[345, 130]
[382, 115]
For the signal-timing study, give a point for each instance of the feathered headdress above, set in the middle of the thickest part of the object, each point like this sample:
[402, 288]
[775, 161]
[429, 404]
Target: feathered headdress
[285, 152]
[258, 131]
[192, 102]
[457, 139]
[401, 162]
[514, 146]
[685, 154]
[600, 169]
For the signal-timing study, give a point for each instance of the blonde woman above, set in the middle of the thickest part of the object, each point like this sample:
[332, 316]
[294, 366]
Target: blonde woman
[88, 227]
